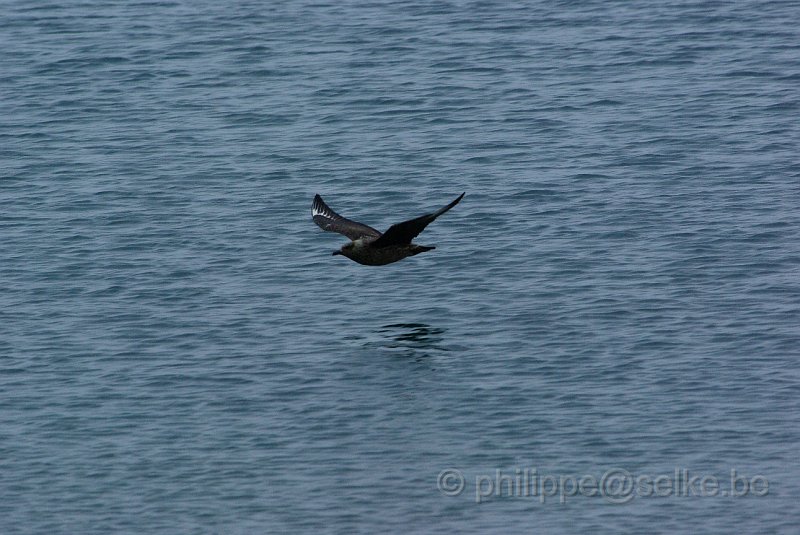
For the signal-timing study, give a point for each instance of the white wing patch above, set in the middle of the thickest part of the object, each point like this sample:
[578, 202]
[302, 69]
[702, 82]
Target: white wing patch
[320, 209]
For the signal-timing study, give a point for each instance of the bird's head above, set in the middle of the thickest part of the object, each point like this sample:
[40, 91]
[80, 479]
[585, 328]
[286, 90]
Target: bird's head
[346, 248]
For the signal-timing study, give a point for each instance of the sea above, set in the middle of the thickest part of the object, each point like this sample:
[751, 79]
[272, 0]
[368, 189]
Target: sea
[606, 338]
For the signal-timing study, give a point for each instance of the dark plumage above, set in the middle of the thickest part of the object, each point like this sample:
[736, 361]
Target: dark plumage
[370, 247]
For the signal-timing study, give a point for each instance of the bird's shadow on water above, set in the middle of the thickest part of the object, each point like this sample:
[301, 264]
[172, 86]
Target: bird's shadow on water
[418, 341]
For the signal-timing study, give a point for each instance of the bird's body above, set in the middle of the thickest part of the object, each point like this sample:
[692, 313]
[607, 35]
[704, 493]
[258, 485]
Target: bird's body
[370, 247]
[363, 252]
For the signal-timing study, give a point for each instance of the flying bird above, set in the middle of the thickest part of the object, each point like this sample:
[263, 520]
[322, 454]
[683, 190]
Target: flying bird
[370, 247]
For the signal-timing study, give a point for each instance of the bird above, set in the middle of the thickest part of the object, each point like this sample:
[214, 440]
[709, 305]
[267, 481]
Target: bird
[370, 247]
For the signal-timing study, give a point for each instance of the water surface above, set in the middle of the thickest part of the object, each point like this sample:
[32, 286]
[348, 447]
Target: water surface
[617, 290]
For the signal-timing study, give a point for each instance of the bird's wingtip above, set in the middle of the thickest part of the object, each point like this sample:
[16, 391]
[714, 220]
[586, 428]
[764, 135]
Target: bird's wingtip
[316, 206]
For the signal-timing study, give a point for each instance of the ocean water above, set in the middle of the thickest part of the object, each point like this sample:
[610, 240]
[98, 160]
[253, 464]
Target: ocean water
[615, 300]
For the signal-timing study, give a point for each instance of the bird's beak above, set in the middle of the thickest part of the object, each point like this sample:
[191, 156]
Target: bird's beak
[336, 252]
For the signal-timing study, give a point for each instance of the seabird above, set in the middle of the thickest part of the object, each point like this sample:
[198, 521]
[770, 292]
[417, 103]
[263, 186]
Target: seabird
[370, 247]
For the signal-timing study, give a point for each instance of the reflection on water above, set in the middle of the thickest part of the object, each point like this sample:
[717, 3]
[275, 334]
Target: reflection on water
[419, 334]
[416, 340]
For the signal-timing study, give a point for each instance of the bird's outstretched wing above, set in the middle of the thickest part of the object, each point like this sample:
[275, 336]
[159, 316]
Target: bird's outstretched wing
[406, 231]
[329, 220]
